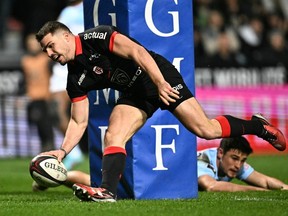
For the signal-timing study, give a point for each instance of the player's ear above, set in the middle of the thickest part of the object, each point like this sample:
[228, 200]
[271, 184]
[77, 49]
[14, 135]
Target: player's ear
[220, 153]
[66, 35]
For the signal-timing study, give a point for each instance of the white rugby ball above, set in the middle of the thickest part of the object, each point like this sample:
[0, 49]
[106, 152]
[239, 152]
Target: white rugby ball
[47, 171]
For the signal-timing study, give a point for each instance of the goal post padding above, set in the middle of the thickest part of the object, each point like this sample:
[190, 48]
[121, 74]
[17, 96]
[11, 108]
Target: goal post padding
[161, 157]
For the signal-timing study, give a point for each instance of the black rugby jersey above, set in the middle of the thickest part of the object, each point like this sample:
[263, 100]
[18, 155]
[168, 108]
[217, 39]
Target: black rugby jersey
[95, 67]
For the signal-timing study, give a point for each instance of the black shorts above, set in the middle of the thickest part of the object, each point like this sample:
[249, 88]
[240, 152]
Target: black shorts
[150, 103]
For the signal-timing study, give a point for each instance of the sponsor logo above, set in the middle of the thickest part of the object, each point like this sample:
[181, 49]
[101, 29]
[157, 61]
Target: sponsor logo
[95, 35]
[82, 77]
[97, 70]
[178, 87]
[94, 56]
[120, 77]
[55, 167]
[134, 78]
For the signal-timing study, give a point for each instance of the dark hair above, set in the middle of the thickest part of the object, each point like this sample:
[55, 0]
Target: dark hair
[50, 27]
[238, 143]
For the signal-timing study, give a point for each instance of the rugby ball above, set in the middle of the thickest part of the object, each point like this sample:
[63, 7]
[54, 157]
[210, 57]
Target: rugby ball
[47, 171]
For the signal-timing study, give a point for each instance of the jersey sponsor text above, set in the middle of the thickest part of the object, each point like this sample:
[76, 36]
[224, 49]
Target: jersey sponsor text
[99, 35]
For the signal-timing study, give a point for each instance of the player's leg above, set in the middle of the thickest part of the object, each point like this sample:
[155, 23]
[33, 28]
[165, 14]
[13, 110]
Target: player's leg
[193, 117]
[76, 176]
[62, 109]
[124, 121]
[73, 176]
[190, 113]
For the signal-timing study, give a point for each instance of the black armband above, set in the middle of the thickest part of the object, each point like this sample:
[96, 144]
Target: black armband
[65, 153]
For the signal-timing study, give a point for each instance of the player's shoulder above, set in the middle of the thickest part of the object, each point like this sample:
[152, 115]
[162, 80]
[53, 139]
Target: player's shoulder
[207, 154]
[100, 32]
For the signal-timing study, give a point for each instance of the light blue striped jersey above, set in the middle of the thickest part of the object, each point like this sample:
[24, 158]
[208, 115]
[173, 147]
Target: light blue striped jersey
[206, 164]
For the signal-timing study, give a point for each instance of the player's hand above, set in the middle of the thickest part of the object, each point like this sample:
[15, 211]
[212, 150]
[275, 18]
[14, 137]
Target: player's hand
[59, 154]
[284, 187]
[167, 94]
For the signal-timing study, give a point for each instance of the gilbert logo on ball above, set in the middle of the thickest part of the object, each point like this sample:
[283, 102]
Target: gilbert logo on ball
[47, 171]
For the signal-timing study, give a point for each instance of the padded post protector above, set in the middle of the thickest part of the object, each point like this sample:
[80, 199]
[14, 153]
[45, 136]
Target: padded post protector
[161, 157]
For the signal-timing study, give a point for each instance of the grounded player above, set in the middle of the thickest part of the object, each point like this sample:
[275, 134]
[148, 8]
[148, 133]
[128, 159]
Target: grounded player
[218, 166]
[101, 58]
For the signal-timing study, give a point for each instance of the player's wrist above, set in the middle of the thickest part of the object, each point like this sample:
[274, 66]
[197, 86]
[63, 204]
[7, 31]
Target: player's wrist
[65, 152]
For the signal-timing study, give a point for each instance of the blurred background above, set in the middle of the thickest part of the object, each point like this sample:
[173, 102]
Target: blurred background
[241, 62]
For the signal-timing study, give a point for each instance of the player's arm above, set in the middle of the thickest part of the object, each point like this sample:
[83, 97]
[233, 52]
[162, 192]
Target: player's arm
[260, 180]
[77, 124]
[127, 48]
[207, 183]
[75, 130]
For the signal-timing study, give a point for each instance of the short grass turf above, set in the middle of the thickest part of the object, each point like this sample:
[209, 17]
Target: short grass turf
[17, 198]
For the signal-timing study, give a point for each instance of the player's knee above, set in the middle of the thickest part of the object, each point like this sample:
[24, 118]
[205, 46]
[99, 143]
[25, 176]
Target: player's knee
[112, 139]
[108, 138]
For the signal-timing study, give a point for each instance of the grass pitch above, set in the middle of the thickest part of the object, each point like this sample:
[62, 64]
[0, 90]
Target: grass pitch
[16, 197]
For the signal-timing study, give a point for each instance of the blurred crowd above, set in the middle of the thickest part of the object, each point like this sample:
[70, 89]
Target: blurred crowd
[48, 104]
[227, 33]
[240, 33]
[26, 16]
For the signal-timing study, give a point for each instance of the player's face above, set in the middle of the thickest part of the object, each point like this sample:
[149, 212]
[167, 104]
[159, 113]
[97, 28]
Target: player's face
[231, 162]
[57, 47]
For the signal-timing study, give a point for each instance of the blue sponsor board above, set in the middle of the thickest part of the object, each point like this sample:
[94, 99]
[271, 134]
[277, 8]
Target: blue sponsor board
[161, 161]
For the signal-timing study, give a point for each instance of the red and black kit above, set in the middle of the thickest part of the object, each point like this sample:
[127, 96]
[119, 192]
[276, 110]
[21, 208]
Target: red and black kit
[95, 67]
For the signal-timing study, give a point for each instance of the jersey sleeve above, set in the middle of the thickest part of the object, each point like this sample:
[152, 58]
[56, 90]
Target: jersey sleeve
[205, 164]
[75, 92]
[100, 38]
[245, 171]
[205, 169]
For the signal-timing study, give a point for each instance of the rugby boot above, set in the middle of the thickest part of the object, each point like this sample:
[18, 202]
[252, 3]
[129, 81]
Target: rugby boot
[86, 193]
[270, 133]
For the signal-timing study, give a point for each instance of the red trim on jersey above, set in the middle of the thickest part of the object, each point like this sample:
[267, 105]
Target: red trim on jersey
[79, 98]
[114, 150]
[225, 126]
[78, 45]
[111, 42]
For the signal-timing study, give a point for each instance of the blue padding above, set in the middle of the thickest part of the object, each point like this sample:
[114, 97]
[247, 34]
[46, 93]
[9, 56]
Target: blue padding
[161, 161]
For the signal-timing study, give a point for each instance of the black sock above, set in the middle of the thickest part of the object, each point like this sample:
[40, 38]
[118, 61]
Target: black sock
[113, 164]
[233, 127]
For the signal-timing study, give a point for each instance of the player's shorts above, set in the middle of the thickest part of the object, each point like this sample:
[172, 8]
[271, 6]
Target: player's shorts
[149, 104]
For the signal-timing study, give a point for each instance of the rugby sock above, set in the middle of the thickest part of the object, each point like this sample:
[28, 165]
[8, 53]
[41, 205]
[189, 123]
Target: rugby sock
[113, 164]
[233, 127]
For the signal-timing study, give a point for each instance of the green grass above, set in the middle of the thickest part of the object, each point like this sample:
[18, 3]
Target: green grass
[16, 197]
